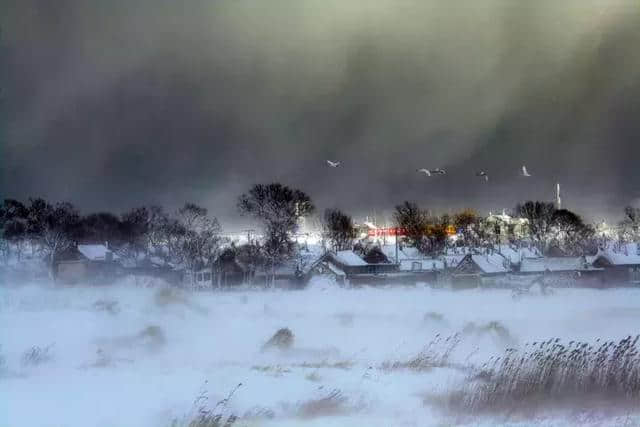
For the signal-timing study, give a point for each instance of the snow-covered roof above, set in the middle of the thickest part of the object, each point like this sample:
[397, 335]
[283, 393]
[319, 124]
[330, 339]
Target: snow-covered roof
[554, 264]
[453, 260]
[515, 254]
[349, 258]
[625, 254]
[425, 264]
[491, 263]
[509, 252]
[95, 252]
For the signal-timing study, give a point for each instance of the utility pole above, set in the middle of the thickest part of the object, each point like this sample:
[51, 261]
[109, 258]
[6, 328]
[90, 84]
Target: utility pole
[558, 199]
[396, 234]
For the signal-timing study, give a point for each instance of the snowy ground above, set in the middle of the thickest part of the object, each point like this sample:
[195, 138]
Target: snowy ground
[140, 357]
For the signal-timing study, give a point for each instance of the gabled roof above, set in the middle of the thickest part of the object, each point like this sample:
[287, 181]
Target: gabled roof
[625, 254]
[95, 252]
[486, 263]
[554, 264]
[515, 254]
[452, 261]
[349, 258]
[491, 263]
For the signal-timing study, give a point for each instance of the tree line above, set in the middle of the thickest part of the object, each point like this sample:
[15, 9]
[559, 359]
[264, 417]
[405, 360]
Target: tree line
[190, 237]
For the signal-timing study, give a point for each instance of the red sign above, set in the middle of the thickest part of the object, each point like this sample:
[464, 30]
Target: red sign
[386, 232]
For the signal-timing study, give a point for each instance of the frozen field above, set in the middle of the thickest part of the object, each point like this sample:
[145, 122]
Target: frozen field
[140, 357]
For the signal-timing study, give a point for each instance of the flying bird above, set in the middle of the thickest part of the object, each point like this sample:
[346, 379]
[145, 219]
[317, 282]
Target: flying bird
[524, 171]
[424, 171]
[333, 164]
[438, 171]
[483, 174]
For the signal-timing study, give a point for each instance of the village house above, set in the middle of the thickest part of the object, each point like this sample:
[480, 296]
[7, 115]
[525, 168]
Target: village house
[357, 269]
[87, 264]
[480, 269]
[505, 228]
[563, 271]
[516, 254]
[620, 262]
[413, 264]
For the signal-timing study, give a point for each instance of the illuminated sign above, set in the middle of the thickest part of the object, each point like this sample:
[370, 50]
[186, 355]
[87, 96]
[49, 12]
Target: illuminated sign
[386, 232]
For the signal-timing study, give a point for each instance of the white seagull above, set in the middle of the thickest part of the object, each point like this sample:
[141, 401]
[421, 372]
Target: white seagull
[483, 174]
[439, 171]
[424, 171]
[333, 164]
[525, 172]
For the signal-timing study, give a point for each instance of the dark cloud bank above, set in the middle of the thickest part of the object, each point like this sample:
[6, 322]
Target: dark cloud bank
[112, 104]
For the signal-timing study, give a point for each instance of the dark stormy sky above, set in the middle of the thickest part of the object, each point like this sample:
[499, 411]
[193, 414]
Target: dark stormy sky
[114, 104]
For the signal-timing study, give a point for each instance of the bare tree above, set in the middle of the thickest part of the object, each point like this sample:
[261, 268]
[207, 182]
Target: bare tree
[437, 233]
[472, 227]
[135, 228]
[630, 225]
[199, 237]
[278, 208]
[338, 229]
[540, 216]
[571, 234]
[13, 228]
[52, 228]
[414, 222]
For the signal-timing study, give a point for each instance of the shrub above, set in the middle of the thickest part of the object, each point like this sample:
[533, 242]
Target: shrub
[334, 403]
[110, 306]
[552, 373]
[282, 339]
[37, 355]
[205, 417]
[435, 355]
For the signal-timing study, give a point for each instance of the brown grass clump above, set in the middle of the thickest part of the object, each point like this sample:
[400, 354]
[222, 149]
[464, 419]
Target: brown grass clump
[435, 355]
[334, 403]
[433, 317]
[152, 336]
[552, 374]
[343, 364]
[37, 355]
[282, 340]
[492, 328]
[274, 370]
[313, 377]
[166, 297]
[110, 306]
[204, 417]
[279, 370]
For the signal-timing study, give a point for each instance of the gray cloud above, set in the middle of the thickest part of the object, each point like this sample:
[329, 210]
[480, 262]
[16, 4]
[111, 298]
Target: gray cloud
[114, 104]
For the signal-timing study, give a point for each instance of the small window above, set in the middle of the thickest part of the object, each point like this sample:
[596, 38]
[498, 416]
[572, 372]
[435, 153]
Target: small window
[199, 277]
[207, 277]
[416, 266]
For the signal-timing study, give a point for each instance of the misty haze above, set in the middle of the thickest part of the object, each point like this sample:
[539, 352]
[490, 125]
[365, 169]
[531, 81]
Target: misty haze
[319, 213]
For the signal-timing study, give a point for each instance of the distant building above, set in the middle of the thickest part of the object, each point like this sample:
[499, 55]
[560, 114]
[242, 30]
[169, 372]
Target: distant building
[358, 270]
[480, 269]
[505, 228]
[87, 264]
[621, 262]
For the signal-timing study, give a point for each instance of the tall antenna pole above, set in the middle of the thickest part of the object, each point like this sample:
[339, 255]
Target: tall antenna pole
[558, 199]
